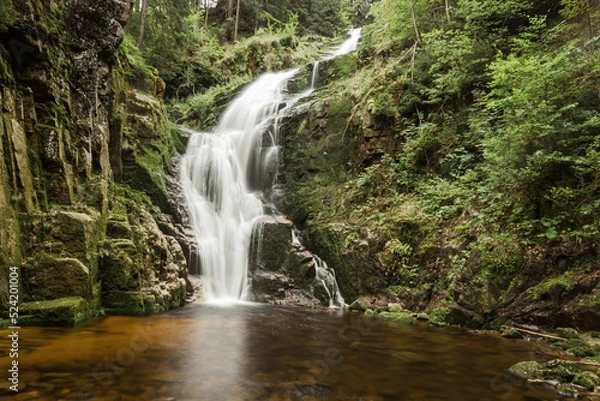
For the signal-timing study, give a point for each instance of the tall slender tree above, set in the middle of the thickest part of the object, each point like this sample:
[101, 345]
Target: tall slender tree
[414, 21]
[237, 21]
[229, 8]
[143, 16]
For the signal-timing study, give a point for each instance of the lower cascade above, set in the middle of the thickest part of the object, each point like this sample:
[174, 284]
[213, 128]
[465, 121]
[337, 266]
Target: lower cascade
[227, 176]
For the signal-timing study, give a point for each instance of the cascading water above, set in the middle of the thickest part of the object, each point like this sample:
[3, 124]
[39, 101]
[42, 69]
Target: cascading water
[225, 175]
[347, 46]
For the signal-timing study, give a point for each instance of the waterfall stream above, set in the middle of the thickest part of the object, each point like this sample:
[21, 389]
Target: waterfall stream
[227, 174]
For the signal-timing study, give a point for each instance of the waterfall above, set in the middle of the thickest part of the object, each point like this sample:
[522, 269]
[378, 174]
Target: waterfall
[223, 177]
[314, 81]
[226, 176]
[348, 45]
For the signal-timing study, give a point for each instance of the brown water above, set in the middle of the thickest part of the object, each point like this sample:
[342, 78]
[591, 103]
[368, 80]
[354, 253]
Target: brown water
[265, 353]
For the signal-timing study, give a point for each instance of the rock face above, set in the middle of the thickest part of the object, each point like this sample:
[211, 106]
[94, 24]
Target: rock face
[83, 204]
[282, 270]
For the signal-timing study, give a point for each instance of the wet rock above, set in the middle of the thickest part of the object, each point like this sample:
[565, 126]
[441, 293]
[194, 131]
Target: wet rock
[527, 370]
[566, 332]
[278, 265]
[464, 317]
[268, 286]
[558, 369]
[588, 380]
[62, 311]
[404, 318]
[579, 347]
[511, 333]
[360, 305]
[393, 307]
[567, 390]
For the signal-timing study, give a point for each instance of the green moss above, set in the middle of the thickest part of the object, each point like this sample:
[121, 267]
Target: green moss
[567, 332]
[562, 283]
[360, 305]
[403, 318]
[50, 277]
[588, 380]
[580, 347]
[63, 311]
[527, 370]
[124, 303]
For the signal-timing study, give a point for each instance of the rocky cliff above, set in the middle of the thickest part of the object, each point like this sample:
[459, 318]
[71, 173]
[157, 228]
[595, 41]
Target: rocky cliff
[83, 174]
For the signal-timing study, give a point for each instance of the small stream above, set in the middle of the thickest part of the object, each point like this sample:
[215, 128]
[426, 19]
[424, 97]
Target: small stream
[259, 352]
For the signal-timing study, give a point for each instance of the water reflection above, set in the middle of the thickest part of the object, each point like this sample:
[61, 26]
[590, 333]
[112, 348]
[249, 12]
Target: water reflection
[258, 352]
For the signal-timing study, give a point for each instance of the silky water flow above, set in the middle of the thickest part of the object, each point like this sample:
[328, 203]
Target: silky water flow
[225, 175]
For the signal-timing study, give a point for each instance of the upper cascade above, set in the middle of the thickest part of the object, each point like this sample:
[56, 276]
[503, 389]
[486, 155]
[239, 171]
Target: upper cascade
[226, 176]
[348, 45]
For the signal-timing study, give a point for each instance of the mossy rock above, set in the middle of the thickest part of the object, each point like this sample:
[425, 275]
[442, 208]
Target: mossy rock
[511, 333]
[52, 278]
[464, 317]
[557, 369]
[78, 232]
[579, 347]
[567, 332]
[560, 370]
[566, 390]
[527, 370]
[404, 318]
[360, 305]
[588, 380]
[63, 311]
[124, 303]
[116, 228]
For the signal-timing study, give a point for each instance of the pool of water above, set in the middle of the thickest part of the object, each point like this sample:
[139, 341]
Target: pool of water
[260, 352]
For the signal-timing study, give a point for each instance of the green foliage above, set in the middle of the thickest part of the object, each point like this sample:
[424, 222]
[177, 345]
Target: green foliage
[8, 15]
[496, 125]
[136, 69]
[169, 32]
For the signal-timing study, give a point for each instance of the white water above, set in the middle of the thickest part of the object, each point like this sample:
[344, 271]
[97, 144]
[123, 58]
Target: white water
[224, 176]
[324, 276]
[348, 45]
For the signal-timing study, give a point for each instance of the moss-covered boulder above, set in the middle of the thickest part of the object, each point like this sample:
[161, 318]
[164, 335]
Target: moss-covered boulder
[527, 370]
[588, 380]
[360, 305]
[52, 277]
[63, 311]
[142, 269]
[404, 318]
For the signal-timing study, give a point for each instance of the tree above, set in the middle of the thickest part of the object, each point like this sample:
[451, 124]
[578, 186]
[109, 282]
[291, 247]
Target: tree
[205, 13]
[575, 8]
[414, 21]
[229, 8]
[237, 21]
[144, 14]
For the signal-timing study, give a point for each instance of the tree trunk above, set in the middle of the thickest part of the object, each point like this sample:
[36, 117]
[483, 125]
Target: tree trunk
[414, 21]
[205, 13]
[229, 8]
[590, 20]
[140, 39]
[237, 21]
[448, 10]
